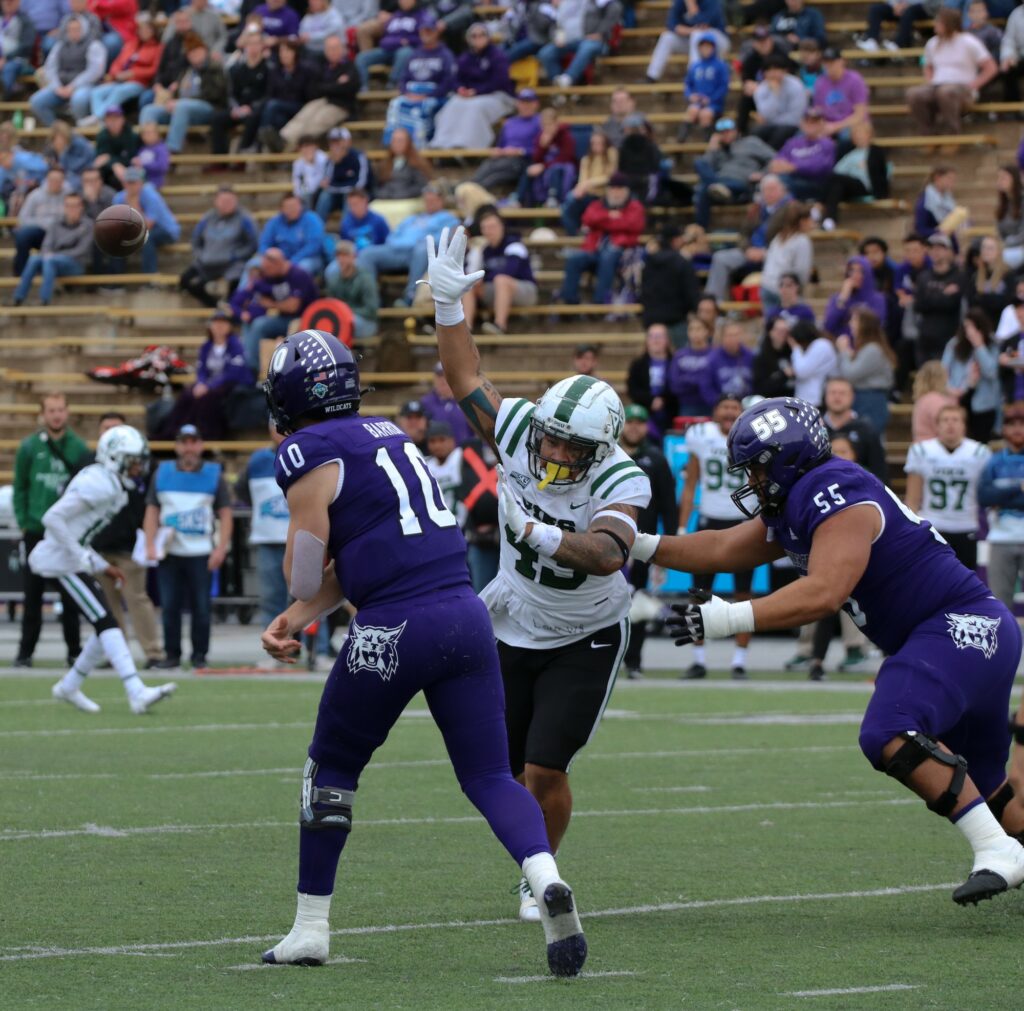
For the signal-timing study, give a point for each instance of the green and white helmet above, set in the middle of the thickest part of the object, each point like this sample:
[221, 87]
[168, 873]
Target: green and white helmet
[584, 412]
[119, 449]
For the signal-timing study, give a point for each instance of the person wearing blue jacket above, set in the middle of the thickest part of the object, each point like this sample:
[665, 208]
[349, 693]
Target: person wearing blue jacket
[798, 22]
[360, 225]
[1001, 492]
[687, 21]
[706, 87]
[163, 225]
[221, 367]
[405, 248]
[298, 233]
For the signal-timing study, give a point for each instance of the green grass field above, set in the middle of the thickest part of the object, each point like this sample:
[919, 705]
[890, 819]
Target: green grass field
[733, 848]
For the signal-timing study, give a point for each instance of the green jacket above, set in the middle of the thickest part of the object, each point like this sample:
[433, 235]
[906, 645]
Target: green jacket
[359, 292]
[40, 478]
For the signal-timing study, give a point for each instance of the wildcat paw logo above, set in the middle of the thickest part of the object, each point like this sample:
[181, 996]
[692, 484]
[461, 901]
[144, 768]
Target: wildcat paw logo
[374, 648]
[974, 632]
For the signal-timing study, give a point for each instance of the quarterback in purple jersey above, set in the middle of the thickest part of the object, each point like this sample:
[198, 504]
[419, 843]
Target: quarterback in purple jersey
[361, 499]
[937, 719]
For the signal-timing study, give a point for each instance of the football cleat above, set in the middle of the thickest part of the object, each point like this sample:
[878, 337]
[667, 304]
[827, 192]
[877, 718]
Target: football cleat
[695, 672]
[567, 947]
[148, 697]
[76, 698]
[995, 872]
[307, 945]
[528, 911]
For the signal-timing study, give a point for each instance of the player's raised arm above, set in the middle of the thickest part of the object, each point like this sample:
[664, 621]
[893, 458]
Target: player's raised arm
[460, 357]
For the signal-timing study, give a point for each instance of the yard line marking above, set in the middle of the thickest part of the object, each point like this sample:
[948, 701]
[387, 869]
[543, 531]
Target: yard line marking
[171, 828]
[671, 789]
[423, 763]
[25, 952]
[551, 979]
[159, 729]
[247, 966]
[838, 991]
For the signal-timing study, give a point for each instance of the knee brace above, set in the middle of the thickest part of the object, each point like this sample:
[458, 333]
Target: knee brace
[324, 807]
[919, 749]
[998, 801]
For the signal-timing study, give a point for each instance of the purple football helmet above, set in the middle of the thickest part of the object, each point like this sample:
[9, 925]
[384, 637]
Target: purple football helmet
[783, 438]
[311, 375]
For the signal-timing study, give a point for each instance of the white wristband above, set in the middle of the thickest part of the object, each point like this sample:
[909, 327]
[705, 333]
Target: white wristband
[644, 547]
[448, 313]
[741, 617]
[545, 539]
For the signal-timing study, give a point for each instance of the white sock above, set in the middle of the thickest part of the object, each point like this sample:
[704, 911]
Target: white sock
[120, 656]
[90, 655]
[981, 829]
[311, 909]
[540, 870]
[699, 655]
[739, 656]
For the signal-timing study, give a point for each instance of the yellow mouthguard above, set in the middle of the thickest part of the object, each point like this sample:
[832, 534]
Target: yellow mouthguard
[555, 472]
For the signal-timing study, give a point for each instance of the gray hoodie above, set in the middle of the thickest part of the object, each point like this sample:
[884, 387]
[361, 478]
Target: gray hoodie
[222, 244]
[741, 159]
[65, 239]
[784, 107]
[43, 208]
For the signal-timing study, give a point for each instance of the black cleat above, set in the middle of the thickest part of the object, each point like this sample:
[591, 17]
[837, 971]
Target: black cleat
[695, 672]
[981, 885]
[739, 673]
[817, 672]
[567, 947]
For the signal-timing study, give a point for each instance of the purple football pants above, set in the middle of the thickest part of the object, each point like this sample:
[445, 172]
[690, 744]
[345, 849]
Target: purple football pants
[446, 650]
[951, 680]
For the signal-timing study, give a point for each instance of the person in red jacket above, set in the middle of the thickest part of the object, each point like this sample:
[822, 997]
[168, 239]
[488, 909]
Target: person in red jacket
[552, 169]
[118, 20]
[130, 74]
[610, 225]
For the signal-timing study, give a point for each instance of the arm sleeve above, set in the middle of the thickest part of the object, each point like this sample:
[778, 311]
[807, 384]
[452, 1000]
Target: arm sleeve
[74, 500]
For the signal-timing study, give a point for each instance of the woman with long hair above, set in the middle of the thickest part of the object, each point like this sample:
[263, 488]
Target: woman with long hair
[790, 252]
[972, 363]
[869, 363]
[988, 280]
[931, 393]
[1010, 214]
[404, 171]
[647, 378]
[812, 360]
[597, 166]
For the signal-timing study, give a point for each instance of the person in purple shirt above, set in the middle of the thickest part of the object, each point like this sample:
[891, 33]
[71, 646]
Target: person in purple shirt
[858, 290]
[841, 94]
[440, 405]
[358, 489]
[401, 37]
[730, 367]
[790, 308]
[221, 367]
[688, 369]
[936, 721]
[431, 62]
[806, 159]
[483, 95]
[518, 135]
[153, 156]
[279, 20]
[279, 292]
[508, 277]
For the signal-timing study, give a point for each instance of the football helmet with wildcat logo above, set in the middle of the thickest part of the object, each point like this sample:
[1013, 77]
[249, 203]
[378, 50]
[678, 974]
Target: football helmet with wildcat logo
[774, 443]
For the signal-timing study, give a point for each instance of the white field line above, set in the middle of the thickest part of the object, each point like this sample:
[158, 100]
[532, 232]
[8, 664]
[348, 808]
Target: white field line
[26, 952]
[552, 979]
[248, 966]
[113, 832]
[840, 991]
[671, 789]
[413, 763]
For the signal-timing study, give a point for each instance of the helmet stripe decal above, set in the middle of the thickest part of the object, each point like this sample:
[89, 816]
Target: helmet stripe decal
[571, 397]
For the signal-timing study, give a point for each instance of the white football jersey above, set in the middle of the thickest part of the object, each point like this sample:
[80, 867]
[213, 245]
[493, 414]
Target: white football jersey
[92, 499]
[534, 601]
[949, 496]
[448, 475]
[706, 442]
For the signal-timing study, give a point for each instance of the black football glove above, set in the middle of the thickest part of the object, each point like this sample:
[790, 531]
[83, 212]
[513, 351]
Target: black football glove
[688, 622]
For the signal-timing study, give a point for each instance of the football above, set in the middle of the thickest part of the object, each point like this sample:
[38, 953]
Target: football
[120, 230]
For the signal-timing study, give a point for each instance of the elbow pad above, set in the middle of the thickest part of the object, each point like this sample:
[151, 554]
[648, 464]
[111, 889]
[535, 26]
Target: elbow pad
[307, 565]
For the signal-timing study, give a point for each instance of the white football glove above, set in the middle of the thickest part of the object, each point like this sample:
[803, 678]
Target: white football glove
[644, 547]
[709, 617]
[544, 538]
[445, 274]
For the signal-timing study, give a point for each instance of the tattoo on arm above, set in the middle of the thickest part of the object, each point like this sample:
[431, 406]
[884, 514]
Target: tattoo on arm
[481, 408]
[595, 551]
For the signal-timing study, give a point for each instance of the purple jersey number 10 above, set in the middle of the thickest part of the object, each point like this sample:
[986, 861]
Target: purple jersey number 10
[439, 515]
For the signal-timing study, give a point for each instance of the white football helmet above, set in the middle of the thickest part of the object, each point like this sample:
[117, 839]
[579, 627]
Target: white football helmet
[119, 449]
[586, 413]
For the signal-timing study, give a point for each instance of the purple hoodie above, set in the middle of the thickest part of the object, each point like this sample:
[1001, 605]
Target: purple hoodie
[280, 23]
[726, 373]
[403, 30]
[230, 369]
[484, 72]
[521, 132]
[811, 157]
[837, 317]
[687, 379]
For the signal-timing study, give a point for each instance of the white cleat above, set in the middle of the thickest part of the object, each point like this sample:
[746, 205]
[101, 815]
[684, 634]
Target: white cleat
[309, 944]
[995, 871]
[148, 697]
[76, 698]
[528, 911]
[567, 947]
